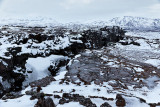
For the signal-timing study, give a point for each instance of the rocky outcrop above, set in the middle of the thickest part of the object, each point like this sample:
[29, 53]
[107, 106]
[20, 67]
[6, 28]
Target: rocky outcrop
[42, 82]
[129, 41]
[34, 42]
[11, 95]
[101, 66]
[38, 38]
[48, 102]
[55, 66]
[105, 105]
[66, 98]
[120, 101]
[1, 90]
[11, 81]
[96, 39]
[94, 64]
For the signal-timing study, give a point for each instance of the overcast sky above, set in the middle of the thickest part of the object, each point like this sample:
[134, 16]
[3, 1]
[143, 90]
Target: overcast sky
[80, 10]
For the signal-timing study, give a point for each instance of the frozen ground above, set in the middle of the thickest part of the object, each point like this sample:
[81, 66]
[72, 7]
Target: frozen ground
[145, 34]
[133, 59]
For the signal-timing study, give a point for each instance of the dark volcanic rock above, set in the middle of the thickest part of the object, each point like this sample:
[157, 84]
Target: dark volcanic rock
[38, 37]
[63, 101]
[96, 39]
[56, 65]
[18, 80]
[75, 48]
[11, 96]
[42, 82]
[135, 43]
[35, 94]
[5, 65]
[127, 43]
[20, 60]
[45, 103]
[105, 105]
[49, 103]
[91, 67]
[57, 96]
[12, 81]
[16, 58]
[13, 69]
[120, 101]
[66, 98]
[1, 90]
[87, 103]
[154, 104]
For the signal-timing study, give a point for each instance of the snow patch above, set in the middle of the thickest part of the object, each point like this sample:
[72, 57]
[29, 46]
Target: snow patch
[23, 101]
[1, 79]
[39, 66]
[70, 104]
[154, 62]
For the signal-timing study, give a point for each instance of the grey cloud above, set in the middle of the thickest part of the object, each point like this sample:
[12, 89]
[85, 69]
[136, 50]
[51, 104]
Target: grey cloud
[76, 10]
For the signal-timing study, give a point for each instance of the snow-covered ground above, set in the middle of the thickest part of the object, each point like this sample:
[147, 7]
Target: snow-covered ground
[39, 67]
[152, 96]
[144, 34]
[23, 101]
[148, 52]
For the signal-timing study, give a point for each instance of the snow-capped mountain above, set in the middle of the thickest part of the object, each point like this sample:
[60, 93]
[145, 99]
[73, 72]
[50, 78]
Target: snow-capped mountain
[127, 22]
[130, 22]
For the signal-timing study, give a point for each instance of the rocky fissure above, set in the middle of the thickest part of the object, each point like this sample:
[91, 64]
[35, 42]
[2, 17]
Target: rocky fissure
[90, 59]
[17, 57]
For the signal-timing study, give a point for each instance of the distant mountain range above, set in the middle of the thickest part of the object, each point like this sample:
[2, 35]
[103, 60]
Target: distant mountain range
[130, 22]
[133, 23]
[127, 22]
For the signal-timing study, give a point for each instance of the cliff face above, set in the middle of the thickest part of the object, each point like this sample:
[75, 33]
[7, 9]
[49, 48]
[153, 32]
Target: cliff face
[19, 45]
[96, 39]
